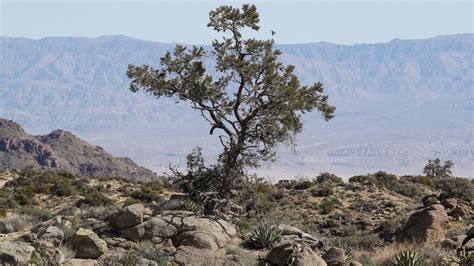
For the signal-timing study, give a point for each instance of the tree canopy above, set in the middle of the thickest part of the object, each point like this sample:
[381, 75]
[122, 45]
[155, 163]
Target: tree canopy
[253, 103]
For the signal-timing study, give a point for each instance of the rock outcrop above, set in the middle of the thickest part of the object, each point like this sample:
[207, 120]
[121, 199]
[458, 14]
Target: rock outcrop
[61, 150]
[425, 225]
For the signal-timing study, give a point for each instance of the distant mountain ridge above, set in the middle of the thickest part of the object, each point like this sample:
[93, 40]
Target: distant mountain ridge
[61, 150]
[398, 92]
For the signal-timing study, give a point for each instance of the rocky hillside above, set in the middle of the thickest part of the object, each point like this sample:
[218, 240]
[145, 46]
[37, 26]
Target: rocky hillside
[375, 219]
[61, 150]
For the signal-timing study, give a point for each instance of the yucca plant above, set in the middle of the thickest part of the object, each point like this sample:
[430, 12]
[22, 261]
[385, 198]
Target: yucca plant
[264, 235]
[409, 258]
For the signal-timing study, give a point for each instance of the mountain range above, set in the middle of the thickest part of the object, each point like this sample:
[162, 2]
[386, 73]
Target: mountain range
[398, 103]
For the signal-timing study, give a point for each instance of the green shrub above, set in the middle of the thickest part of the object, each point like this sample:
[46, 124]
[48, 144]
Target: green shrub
[456, 187]
[146, 195]
[94, 199]
[409, 258]
[244, 226]
[264, 236]
[303, 184]
[328, 178]
[327, 205]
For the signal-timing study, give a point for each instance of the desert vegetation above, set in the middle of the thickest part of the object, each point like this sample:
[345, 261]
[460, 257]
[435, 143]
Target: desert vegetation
[221, 214]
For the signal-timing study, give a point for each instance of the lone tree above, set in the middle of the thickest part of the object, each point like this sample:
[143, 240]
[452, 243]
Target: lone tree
[254, 102]
[434, 169]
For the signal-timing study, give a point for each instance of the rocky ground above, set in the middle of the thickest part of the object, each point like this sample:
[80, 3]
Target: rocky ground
[51, 218]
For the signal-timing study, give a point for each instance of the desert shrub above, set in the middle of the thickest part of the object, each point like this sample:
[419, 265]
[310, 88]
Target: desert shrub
[67, 251]
[419, 179]
[348, 230]
[328, 178]
[148, 192]
[16, 223]
[95, 198]
[98, 212]
[323, 191]
[456, 187]
[382, 179]
[264, 236]
[302, 184]
[348, 250]
[38, 214]
[146, 196]
[131, 201]
[278, 194]
[244, 226]
[32, 182]
[327, 205]
[363, 241]
[409, 258]
[386, 229]
[332, 223]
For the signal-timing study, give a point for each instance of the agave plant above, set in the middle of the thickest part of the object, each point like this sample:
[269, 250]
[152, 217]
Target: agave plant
[184, 205]
[264, 235]
[409, 258]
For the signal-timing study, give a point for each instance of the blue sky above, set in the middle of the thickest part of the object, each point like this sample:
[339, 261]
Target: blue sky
[344, 22]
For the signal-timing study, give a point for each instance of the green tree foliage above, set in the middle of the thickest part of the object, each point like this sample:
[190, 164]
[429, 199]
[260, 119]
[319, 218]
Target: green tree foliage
[254, 101]
[434, 169]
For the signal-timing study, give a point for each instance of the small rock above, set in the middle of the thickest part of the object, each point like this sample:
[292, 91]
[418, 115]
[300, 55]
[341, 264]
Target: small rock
[87, 244]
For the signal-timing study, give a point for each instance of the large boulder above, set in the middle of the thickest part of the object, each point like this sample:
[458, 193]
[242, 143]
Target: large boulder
[13, 252]
[294, 254]
[129, 216]
[87, 244]
[154, 227]
[335, 257]
[198, 231]
[426, 225]
[187, 255]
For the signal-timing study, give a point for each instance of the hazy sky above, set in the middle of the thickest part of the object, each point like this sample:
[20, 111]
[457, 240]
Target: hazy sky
[344, 22]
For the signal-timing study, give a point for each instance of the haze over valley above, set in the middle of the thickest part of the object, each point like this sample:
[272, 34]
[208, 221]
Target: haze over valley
[398, 103]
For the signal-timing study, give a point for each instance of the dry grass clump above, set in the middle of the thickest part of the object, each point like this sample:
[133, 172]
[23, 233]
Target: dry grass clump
[16, 222]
